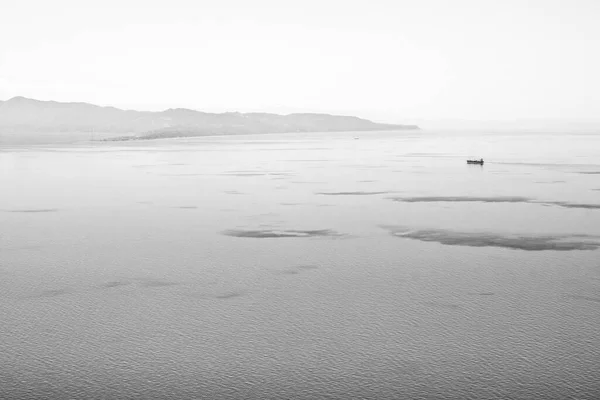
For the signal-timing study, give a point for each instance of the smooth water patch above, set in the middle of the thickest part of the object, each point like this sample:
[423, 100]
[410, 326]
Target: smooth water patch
[271, 233]
[463, 199]
[566, 204]
[496, 199]
[508, 241]
[230, 295]
[114, 284]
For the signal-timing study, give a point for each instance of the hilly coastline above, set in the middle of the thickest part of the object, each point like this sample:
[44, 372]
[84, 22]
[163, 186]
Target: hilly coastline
[21, 116]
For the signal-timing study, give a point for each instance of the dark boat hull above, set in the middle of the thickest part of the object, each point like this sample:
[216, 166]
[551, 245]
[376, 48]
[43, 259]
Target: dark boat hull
[474, 162]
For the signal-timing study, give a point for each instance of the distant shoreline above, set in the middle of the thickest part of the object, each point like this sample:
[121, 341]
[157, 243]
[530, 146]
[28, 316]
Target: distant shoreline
[186, 135]
[41, 120]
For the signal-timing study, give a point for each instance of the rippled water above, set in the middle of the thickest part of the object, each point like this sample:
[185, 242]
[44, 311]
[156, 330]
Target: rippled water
[309, 266]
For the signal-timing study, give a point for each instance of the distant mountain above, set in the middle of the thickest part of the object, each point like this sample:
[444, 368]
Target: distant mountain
[23, 115]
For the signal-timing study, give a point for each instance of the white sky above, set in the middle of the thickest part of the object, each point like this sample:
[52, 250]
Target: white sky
[387, 60]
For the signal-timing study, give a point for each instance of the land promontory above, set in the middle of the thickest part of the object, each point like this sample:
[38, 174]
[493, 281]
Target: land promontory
[21, 115]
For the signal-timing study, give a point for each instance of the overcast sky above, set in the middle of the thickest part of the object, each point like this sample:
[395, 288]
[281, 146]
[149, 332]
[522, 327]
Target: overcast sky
[388, 60]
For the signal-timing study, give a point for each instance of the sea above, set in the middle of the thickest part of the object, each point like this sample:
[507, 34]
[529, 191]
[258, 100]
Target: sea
[369, 265]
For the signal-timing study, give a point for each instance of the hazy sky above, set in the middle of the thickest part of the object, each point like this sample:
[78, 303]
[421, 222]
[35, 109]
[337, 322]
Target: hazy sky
[388, 60]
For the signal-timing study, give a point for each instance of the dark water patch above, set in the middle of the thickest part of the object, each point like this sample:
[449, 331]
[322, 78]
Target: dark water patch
[550, 182]
[288, 271]
[462, 199]
[182, 174]
[229, 295]
[355, 193]
[499, 199]
[481, 293]
[34, 210]
[114, 284]
[573, 205]
[589, 172]
[272, 233]
[367, 181]
[297, 269]
[586, 298]
[52, 293]
[513, 242]
[155, 283]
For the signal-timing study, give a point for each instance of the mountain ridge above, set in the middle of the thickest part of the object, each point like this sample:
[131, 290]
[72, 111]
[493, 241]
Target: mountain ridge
[21, 114]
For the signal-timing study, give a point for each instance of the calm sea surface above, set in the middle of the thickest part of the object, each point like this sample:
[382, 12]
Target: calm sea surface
[302, 266]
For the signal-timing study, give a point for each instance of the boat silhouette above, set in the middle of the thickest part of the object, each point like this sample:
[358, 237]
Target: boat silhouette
[480, 162]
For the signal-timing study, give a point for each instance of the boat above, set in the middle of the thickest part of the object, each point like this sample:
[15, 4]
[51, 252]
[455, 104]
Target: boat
[480, 162]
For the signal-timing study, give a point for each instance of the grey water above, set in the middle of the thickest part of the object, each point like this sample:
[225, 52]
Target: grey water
[302, 266]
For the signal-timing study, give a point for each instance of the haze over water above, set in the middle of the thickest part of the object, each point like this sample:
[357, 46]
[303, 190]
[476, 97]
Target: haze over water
[335, 265]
